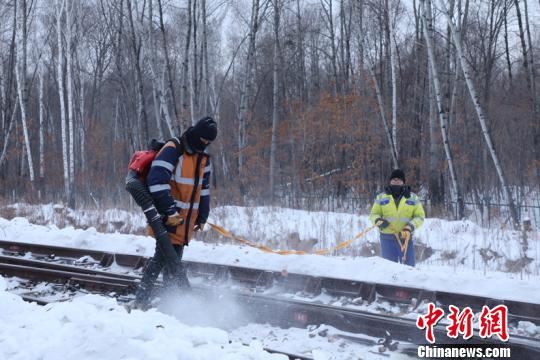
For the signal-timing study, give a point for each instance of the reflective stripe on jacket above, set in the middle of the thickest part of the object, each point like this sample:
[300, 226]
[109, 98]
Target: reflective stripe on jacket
[171, 182]
[409, 211]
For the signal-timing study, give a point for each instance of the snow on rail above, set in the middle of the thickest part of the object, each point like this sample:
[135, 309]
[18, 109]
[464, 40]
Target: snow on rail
[367, 269]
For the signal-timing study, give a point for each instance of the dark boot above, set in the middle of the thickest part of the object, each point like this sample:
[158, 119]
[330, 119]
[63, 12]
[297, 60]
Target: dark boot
[151, 272]
[179, 278]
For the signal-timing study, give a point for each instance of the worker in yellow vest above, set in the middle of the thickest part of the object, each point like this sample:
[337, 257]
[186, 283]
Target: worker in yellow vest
[397, 212]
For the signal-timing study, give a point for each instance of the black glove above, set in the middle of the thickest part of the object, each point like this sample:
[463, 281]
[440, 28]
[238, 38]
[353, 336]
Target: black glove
[199, 227]
[382, 223]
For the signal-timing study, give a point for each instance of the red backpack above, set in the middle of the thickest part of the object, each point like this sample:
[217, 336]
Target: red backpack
[141, 160]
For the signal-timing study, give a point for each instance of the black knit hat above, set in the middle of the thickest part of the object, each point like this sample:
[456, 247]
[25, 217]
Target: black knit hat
[397, 174]
[206, 128]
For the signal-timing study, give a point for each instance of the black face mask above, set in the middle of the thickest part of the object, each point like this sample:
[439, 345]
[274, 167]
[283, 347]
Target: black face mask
[194, 141]
[396, 190]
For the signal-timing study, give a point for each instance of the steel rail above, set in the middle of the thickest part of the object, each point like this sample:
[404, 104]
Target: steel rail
[260, 279]
[263, 308]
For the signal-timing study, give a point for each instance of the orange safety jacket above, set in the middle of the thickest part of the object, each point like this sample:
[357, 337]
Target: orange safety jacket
[185, 186]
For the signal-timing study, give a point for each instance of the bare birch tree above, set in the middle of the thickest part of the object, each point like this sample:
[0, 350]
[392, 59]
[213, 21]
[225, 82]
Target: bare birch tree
[186, 117]
[393, 74]
[245, 91]
[41, 125]
[69, 83]
[327, 8]
[136, 48]
[535, 101]
[536, 105]
[158, 81]
[526, 58]
[9, 131]
[60, 4]
[480, 114]
[427, 27]
[90, 58]
[275, 96]
[21, 73]
[362, 43]
[168, 65]
[206, 69]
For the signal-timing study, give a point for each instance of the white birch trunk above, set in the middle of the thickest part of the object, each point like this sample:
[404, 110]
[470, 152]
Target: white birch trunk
[136, 47]
[531, 60]
[526, 57]
[194, 67]
[82, 127]
[480, 113]
[158, 86]
[185, 78]
[191, 95]
[10, 129]
[2, 95]
[60, 73]
[275, 98]
[116, 115]
[216, 106]
[157, 106]
[41, 125]
[24, 124]
[169, 67]
[300, 40]
[82, 120]
[393, 75]
[20, 66]
[246, 86]
[157, 110]
[434, 184]
[69, 82]
[380, 101]
[165, 107]
[383, 119]
[206, 75]
[22, 166]
[456, 194]
[160, 100]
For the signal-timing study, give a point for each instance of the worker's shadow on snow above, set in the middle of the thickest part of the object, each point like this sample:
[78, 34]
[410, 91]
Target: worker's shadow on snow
[214, 309]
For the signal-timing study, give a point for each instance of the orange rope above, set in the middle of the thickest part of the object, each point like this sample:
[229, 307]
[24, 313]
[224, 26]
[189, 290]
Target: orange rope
[266, 249]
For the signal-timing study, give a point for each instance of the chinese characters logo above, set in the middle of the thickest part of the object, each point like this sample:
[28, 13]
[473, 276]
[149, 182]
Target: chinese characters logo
[490, 322]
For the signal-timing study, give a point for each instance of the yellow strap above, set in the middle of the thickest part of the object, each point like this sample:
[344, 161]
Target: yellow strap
[403, 247]
[266, 249]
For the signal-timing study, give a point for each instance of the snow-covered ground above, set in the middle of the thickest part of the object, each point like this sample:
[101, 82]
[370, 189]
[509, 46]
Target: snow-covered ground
[268, 225]
[92, 326]
[454, 246]
[95, 327]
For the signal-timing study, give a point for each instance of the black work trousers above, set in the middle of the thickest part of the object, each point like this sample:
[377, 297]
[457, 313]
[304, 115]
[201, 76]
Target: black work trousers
[172, 278]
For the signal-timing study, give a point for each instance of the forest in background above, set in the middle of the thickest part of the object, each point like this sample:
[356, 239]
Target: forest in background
[316, 101]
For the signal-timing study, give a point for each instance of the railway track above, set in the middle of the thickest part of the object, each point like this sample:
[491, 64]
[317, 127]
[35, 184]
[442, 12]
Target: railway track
[74, 268]
[258, 280]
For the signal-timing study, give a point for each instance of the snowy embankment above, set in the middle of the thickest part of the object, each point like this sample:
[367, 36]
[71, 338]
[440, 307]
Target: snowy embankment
[459, 245]
[96, 327]
[452, 245]
[269, 224]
